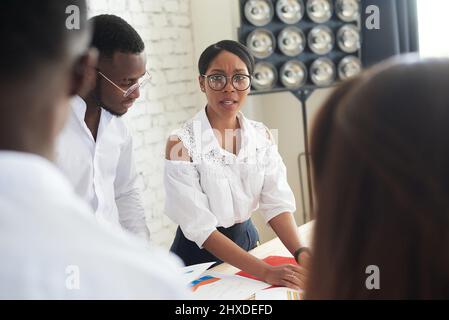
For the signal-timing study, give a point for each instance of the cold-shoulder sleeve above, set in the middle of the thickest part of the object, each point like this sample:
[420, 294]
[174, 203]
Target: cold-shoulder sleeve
[186, 203]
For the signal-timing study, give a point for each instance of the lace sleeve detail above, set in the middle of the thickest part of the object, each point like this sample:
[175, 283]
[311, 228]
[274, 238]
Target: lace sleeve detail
[264, 133]
[187, 137]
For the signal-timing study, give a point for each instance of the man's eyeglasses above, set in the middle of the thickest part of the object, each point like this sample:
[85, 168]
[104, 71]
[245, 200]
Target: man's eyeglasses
[139, 84]
[218, 82]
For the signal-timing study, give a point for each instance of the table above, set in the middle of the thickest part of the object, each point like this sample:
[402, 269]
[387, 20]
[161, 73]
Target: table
[271, 248]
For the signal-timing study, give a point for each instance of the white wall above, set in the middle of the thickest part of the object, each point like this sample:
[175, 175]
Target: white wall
[212, 21]
[282, 112]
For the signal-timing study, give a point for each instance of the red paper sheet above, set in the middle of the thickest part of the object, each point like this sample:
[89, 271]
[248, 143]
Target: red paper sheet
[273, 261]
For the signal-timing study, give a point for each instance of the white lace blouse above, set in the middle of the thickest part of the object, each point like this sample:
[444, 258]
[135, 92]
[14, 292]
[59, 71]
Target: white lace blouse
[220, 189]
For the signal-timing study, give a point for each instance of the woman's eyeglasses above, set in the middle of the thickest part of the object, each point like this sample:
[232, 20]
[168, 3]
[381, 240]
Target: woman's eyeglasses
[139, 84]
[218, 82]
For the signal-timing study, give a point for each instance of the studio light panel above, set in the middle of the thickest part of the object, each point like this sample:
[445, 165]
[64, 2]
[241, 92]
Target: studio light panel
[301, 43]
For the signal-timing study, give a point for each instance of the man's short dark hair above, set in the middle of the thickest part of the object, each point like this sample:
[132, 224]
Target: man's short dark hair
[113, 34]
[34, 33]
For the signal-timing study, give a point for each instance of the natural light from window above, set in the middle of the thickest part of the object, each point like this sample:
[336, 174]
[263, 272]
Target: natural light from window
[433, 20]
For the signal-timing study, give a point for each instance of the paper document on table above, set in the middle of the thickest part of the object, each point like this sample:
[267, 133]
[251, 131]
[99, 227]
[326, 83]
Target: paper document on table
[279, 293]
[193, 272]
[273, 261]
[215, 286]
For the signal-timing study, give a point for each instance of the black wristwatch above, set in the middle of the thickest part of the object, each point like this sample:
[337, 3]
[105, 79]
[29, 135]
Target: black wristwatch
[299, 251]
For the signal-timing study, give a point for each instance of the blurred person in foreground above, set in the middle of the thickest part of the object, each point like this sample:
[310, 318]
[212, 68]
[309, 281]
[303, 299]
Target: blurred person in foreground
[380, 154]
[50, 244]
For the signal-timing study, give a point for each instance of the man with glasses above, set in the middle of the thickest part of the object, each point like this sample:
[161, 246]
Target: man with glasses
[95, 149]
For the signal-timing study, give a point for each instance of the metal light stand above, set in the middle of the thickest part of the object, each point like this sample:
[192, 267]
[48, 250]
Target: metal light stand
[302, 95]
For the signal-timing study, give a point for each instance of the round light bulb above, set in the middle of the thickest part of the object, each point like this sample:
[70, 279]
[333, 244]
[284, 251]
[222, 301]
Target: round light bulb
[259, 12]
[291, 41]
[265, 76]
[322, 72]
[348, 38]
[321, 40]
[293, 74]
[319, 11]
[290, 11]
[349, 67]
[348, 10]
[261, 43]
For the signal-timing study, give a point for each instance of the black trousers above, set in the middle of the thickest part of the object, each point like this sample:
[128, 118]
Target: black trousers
[244, 234]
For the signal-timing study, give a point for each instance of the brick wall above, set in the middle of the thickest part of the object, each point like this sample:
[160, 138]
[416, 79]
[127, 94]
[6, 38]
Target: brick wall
[172, 98]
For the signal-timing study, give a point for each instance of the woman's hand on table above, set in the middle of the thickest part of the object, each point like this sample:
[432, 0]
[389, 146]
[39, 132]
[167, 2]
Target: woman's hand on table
[286, 275]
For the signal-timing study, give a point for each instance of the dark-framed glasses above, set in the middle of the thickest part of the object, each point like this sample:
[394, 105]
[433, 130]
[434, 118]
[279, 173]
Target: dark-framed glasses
[218, 82]
[142, 81]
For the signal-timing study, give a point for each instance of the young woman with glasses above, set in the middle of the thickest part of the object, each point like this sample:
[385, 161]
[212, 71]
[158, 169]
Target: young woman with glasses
[221, 167]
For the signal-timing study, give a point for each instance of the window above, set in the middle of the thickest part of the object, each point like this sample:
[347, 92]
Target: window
[433, 27]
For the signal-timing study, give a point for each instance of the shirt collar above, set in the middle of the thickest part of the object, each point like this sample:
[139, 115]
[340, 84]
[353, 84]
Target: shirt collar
[79, 108]
[203, 132]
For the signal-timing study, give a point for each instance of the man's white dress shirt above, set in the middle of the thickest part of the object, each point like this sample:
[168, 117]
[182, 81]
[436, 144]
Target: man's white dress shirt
[102, 171]
[51, 246]
[220, 189]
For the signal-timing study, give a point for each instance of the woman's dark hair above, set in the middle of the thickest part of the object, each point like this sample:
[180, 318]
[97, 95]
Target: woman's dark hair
[231, 46]
[380, 157]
